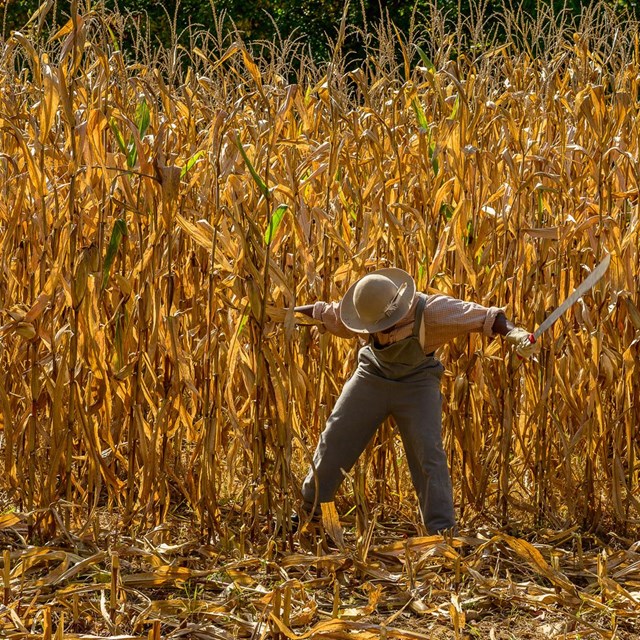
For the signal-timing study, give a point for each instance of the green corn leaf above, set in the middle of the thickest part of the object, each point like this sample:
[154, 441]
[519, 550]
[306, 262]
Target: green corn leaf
[446, 210]
[143, 117]
[142, 120]
[191, 162]
[119, 231]
[307, 94]
[132, 154]
[259, 181]
[242, 324]
[122, 145]
[456, 106]
[425, 60]
[420, 117]
[424, 127]
[468, 236]
[274, 223]
[114, 40]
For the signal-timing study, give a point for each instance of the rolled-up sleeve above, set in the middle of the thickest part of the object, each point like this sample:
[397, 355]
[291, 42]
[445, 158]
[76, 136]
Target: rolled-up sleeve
[446, 318]
[328, 313]
[492, 314]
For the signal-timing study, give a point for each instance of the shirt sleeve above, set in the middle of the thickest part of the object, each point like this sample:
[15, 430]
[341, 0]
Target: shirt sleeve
[446, 318]
[329, 314]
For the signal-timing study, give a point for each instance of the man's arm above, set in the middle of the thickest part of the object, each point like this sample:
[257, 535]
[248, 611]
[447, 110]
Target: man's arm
[306, 309]
[328, 315]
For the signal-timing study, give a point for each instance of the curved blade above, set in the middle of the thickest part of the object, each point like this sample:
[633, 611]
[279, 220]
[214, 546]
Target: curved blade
[582, 288]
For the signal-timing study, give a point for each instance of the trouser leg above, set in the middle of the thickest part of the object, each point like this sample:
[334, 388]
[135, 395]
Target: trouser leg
[358, 412]
[418, 414]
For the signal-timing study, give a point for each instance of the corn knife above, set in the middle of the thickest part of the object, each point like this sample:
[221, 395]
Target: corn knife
[578, 292]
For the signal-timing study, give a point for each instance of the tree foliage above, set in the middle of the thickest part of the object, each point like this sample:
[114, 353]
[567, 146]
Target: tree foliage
[314, 25]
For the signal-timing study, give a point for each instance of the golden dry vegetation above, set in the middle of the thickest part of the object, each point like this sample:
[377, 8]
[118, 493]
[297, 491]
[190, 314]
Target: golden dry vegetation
[159, 404]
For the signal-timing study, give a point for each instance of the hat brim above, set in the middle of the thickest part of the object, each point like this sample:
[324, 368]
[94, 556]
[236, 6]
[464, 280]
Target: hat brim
[350, 318]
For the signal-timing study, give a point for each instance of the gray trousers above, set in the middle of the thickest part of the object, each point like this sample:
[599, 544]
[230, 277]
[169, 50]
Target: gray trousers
[366, 400]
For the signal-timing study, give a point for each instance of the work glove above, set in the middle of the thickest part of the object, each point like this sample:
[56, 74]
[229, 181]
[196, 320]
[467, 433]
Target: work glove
[522, 342]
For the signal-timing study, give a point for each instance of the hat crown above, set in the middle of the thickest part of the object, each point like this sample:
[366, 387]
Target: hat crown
[377, 301]
[373, 296]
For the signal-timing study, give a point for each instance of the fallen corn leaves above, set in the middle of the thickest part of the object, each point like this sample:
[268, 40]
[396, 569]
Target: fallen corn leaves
[405, 589]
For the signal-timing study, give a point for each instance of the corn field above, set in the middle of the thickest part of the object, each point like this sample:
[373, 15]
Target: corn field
[159, 219]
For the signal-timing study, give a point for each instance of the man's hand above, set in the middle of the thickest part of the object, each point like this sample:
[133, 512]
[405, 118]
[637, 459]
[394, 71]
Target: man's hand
[522, 342]
[279, 314]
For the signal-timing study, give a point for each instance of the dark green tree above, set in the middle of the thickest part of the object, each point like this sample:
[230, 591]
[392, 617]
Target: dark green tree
[314, 25]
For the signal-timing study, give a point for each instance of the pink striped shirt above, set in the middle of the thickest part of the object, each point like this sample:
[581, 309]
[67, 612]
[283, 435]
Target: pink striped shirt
[444, 318]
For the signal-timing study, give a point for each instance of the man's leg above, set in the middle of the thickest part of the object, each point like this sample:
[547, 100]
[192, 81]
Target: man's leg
[418, 414]
[358, 412]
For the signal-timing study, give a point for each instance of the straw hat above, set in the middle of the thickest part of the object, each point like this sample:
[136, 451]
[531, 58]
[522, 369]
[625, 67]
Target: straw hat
[377, 301]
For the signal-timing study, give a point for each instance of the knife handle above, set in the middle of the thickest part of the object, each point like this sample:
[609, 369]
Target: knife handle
[532, 340]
